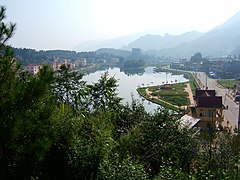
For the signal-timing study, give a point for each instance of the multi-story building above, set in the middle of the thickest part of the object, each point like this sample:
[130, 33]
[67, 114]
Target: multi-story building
[208, 108]
[33, 68]
[58, 63]
[81, 62]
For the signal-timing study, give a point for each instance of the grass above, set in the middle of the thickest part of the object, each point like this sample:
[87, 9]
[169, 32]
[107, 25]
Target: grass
[142, 92]
[193, 84]
[176, 96]
[228, 83]
[170, 98]
[188, 75]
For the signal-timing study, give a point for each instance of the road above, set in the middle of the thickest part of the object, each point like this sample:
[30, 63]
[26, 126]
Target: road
[230, 114]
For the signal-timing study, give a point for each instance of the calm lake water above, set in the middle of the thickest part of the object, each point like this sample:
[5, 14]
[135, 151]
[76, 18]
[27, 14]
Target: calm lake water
[129, 81]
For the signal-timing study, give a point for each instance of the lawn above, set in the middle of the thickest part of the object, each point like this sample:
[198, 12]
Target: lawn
[187, 75]
[228, 83]
[176, 96]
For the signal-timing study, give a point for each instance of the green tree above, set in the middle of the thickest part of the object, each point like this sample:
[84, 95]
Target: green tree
[69, 88]
[26, 106]
[103, 94]
[197, 57]
[6, 30]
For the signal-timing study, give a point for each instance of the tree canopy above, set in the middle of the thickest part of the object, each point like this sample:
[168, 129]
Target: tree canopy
[54, 126]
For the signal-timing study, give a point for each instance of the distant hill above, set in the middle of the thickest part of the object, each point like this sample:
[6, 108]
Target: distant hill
[157, 42]
[108, 43]
[220, 41]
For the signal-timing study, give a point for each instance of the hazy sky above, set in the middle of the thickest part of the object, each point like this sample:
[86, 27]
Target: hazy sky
[63, 24]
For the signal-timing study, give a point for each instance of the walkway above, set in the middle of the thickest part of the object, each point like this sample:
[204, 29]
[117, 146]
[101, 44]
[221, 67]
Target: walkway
[190, 94]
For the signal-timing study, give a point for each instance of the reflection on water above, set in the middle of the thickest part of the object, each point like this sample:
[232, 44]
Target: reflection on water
[129, 72]
[129, 82]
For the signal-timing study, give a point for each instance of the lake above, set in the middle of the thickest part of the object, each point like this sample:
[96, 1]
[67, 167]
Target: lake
[129, 81]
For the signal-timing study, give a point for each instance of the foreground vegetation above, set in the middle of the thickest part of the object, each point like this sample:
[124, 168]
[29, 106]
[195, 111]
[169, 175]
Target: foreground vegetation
[57, 127]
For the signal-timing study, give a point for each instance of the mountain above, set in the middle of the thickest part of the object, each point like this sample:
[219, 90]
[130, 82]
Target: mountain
[115, 43]
[220, 41]
[157, 42]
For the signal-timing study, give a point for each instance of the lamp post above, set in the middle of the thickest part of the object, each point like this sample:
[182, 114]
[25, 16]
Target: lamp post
[238, 117]
[206, 81]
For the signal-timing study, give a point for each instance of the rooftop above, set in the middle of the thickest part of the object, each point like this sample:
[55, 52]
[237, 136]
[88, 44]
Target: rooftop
[207, 98]
[188, 121]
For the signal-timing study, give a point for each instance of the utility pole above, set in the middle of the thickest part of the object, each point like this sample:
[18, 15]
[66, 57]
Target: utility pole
[206, 82]
[238, 116]
[166, 79]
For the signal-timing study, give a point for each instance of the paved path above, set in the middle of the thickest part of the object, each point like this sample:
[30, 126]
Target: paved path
[190, 94]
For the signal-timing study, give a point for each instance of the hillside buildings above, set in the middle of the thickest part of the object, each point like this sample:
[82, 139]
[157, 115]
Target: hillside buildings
[33, 68]
[224, 68]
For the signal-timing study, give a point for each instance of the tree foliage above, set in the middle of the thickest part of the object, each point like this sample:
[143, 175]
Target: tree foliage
[54, 126]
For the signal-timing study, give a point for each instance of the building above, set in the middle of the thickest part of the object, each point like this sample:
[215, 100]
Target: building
[81, 62]
[177, 65]
[188, 122]
[58, 63]
[208, 108]
[33, 68]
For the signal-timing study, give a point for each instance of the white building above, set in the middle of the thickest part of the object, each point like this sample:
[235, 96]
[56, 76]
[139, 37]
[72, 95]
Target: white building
[33, 68]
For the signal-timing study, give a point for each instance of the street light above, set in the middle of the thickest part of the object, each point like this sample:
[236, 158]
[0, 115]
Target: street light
[206, 82]
[238, 117]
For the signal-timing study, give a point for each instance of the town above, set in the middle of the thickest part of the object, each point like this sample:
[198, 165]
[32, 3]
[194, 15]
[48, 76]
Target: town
[214, 103]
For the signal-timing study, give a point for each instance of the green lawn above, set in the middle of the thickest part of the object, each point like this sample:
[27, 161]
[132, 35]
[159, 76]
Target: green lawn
[176, 96]
[188, 75]
[228, 83]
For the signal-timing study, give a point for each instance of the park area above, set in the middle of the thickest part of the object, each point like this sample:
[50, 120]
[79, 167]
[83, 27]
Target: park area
[172, 96]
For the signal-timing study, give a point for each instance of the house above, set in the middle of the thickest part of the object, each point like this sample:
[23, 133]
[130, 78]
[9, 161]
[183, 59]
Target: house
[81, 62]
[58, 63]
[33, 68]
[208, 108]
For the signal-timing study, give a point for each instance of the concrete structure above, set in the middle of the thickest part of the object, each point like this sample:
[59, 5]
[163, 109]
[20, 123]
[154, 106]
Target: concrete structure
[58, 63]
[208, 108]
[81, 62]
[188, 122]
[33, 68]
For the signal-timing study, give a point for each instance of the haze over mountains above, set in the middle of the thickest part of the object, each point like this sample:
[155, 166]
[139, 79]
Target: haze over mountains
[220, 41]
[157, 42]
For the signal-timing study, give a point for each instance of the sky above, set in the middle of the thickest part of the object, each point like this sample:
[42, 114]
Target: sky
[64, 24]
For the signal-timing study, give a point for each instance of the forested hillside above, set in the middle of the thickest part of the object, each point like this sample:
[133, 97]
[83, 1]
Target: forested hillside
[31, 56]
